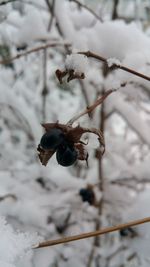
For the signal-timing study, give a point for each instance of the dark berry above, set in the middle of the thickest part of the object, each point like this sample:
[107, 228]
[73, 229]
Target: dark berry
[128, 232]
[87, 195]
[52, 139]
[21, 47]
[66, 154]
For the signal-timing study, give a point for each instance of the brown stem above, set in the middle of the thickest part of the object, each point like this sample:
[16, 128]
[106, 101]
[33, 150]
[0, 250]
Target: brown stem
[100, 184]
[33, 50]
[115, 12]
[45, 90]
[84, 92]
[92, 107]
[91, 234]
[100, 58]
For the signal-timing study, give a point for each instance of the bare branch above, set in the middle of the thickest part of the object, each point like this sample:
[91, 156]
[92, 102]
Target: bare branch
[33, 50]
[8, 196]
[24, 2]
[91, 108]
[45, 89]
[100, 58]
[51, 8]
[87, 8]
[6, 2]
[91, 234]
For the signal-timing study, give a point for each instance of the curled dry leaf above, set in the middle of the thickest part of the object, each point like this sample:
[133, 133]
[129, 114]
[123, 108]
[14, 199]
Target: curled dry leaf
[72, 74]
[71, 137]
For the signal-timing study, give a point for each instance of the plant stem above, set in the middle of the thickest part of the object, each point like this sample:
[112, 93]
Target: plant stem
[100, 58]
[88, 110]
[33, 50]
[91, 234]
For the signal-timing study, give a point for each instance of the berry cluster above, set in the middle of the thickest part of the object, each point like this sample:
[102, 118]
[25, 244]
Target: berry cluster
[87, 195]
[66, 141]
[54, 139]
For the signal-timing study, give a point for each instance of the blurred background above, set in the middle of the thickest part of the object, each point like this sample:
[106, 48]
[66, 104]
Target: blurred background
[35, 38]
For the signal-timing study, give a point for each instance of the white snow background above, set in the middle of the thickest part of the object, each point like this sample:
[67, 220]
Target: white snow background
[39, 203]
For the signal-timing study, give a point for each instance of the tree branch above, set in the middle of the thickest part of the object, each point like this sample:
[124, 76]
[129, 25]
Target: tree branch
[45, 89]
[91, 234]
[33, 50]
[87, 8]
[100, 58]
[92, 107]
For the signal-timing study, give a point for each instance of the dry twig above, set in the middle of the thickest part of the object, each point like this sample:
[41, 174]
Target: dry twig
[87, 8]
[100, 58]
[8, 196]
[91, 108]
[6, 2]
[33, 50]
[91, 234]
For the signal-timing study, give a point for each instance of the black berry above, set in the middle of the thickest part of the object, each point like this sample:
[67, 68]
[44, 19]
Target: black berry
[87, 195]
[66, 154]
[52, 139]
[128, 232]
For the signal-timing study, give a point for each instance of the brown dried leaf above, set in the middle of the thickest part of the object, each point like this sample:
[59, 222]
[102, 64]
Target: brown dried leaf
[45, 155]
[60, 74]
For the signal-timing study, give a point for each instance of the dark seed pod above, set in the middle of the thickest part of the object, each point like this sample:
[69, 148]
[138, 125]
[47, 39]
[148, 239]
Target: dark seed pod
[66, 154]
[52, 139]
[87, 195]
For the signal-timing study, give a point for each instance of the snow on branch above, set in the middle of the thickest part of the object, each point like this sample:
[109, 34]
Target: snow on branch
[114, 65]
[76, 67]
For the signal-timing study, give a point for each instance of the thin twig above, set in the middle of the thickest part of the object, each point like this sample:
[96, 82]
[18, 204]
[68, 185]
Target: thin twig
[91, 108]
[87, 8]
[24, 2]
[100, 184]
[6, 2]
[52, 12]
[45, 90]
[119, 66]
[91, 234]
[33, 50]
[115, 7]
[52, 8]
[8, 196]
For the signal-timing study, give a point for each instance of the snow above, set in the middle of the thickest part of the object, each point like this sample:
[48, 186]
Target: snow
[14, 244]
[113, 61]
[79, 63]
[46, 200]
